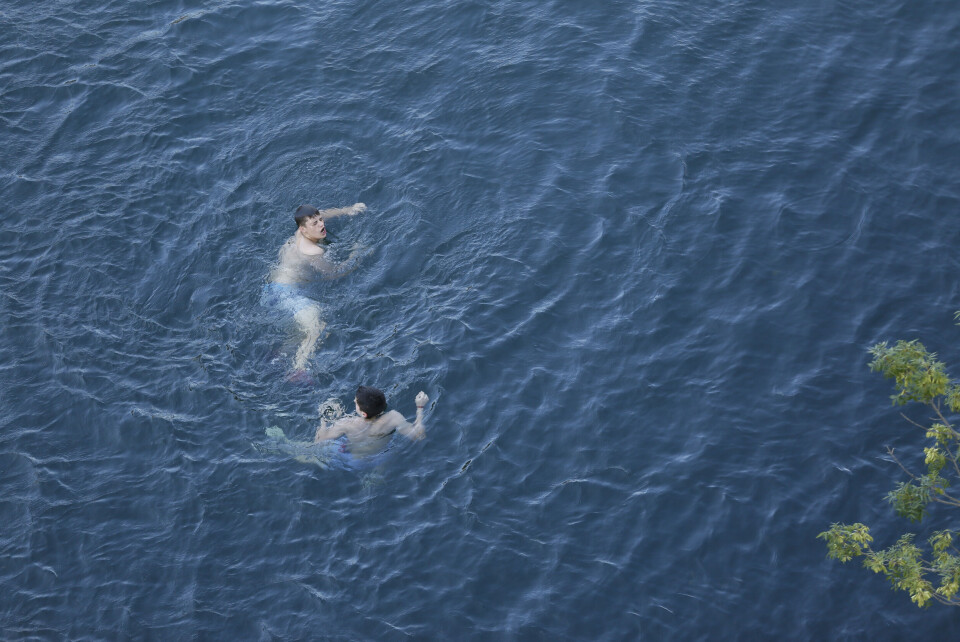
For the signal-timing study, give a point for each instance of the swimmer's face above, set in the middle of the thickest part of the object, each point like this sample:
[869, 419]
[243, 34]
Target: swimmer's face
[313, 228]
[357, 405]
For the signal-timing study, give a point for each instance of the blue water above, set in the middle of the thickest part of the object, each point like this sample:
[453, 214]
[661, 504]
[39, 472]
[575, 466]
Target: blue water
[635, 252]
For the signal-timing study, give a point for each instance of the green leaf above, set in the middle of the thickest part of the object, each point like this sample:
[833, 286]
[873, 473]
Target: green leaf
[846, 541]
[918, 376]
[917, 373]
[910, 500]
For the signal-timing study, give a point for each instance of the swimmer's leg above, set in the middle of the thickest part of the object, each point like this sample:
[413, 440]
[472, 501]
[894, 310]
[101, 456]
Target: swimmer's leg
[373, 479]
[312, 326]
[301, 451]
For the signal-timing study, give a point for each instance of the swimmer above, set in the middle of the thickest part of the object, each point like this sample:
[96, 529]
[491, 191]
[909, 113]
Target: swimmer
[300, 257]
[368, 432]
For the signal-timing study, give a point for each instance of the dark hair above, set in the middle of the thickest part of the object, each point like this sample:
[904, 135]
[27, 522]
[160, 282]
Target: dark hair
[304, 212]
[371, 401]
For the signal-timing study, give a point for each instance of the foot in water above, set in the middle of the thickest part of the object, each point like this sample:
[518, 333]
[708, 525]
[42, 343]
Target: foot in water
[301, 376]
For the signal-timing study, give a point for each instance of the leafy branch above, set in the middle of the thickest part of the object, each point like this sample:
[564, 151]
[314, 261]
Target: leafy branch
[918, 377]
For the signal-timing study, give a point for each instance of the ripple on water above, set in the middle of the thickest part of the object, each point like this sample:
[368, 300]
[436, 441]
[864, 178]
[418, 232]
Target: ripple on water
[635, 254]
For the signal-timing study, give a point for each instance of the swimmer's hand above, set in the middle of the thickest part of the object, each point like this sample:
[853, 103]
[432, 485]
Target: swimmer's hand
[415, 430]
[421, 400]
[357, 208]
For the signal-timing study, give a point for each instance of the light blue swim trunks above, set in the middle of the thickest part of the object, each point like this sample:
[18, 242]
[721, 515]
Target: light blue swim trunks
[285, 297]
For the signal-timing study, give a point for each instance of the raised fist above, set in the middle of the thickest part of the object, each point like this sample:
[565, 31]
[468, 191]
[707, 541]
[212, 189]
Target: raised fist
[422, 399]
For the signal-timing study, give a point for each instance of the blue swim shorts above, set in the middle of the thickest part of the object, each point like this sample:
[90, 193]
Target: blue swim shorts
[326, 454]
[285, 297]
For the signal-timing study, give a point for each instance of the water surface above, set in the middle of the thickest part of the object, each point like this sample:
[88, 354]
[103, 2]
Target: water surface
[634, 252]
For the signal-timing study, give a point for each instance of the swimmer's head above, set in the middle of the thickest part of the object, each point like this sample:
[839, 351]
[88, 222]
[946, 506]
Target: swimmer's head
[371, 402]
[305, 212]
[310, 223]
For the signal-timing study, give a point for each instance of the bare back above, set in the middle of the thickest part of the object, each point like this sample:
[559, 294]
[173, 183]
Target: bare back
[366, 436]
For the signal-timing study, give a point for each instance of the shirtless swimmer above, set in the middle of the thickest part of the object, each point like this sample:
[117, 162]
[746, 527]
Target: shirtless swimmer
[369, 430]
[301, 256]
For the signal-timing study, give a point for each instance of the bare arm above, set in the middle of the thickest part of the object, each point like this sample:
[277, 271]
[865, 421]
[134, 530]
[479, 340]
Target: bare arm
[333, 212]
[415, 430]
[327, 431]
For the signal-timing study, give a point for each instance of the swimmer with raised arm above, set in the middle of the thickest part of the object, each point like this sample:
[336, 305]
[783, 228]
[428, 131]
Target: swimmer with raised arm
[369, 431]
[300, 258]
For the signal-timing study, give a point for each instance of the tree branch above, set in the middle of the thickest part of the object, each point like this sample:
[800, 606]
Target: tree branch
[920, 426]
[902, 467]
[949, 501]
[953, 460]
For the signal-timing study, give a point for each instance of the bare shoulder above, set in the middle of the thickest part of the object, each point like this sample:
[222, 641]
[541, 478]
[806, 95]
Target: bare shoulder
[288, 246]
[390, 420]
[310, 249]
[348, 425]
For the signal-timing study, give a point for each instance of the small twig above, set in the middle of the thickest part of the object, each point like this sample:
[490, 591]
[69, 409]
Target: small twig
[897, 461]
[920, 426]
[946, 423]
[953, 460]
[949, 501]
